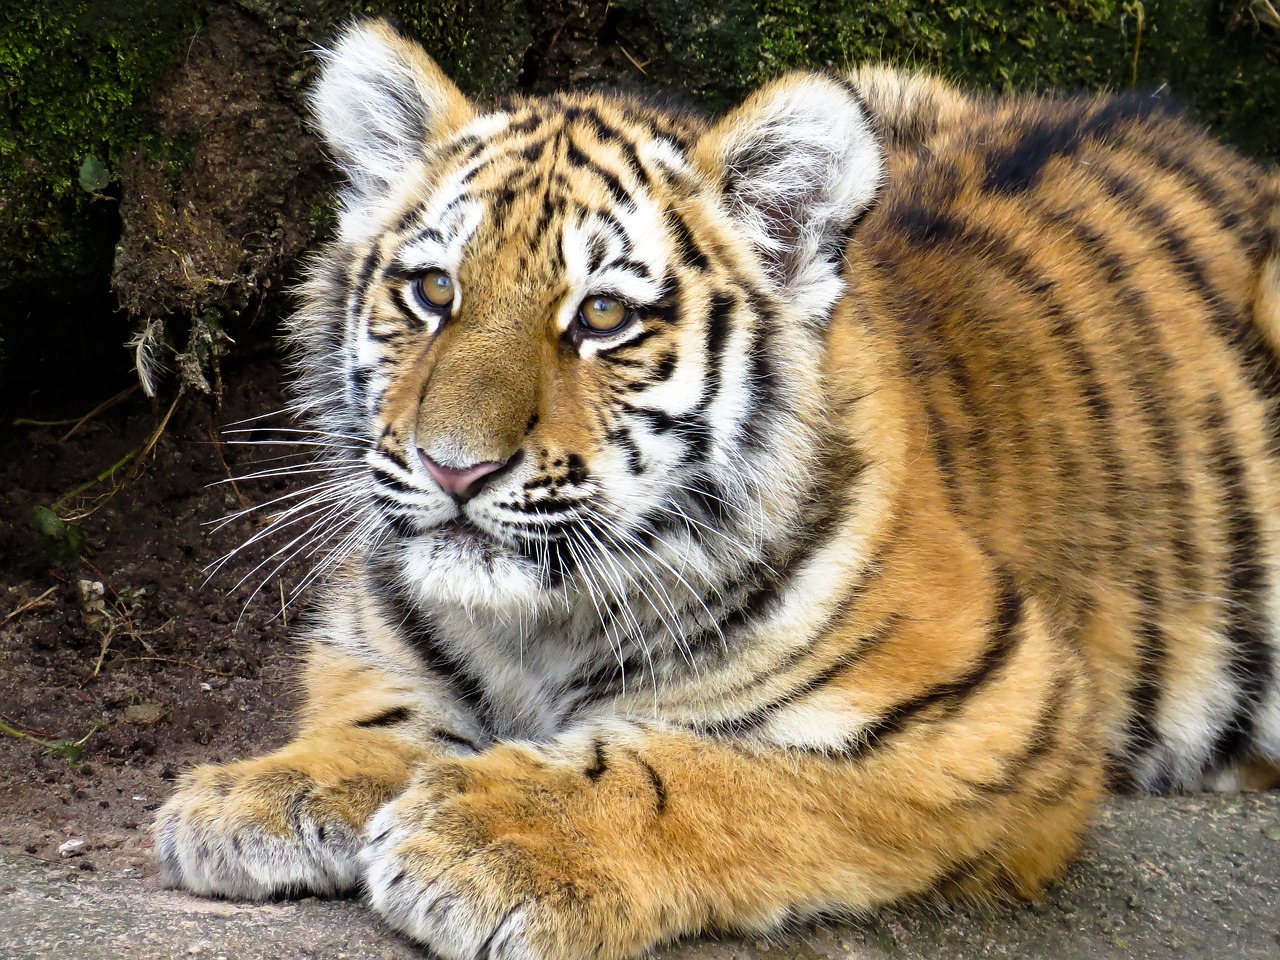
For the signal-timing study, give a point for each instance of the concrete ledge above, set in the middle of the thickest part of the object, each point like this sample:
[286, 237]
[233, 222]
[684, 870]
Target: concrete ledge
[1184, 877]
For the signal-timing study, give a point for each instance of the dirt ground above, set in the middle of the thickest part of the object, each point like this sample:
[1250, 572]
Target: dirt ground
[162, 669]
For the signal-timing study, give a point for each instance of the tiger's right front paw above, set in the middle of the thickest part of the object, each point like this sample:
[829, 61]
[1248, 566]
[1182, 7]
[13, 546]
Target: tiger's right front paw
[283, 824]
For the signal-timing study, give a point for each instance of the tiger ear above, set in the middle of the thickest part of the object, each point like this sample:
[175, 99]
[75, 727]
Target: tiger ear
[798, 163]
[378, 101]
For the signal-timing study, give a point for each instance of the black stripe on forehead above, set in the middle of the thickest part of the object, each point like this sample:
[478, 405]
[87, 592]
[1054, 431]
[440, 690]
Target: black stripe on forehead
[582, 142]
[575, 157]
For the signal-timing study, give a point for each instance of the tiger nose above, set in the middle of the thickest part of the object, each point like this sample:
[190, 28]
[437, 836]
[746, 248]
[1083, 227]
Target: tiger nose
[461, 483]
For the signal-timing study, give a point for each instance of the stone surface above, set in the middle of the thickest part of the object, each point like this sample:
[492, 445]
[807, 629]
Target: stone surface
[1184, 877]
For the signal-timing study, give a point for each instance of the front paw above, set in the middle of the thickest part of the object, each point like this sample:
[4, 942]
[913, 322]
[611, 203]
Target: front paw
[287, 823]
[482, 859]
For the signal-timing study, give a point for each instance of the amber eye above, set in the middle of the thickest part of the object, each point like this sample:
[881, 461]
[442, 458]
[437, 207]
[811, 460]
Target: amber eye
[435, 289]
[603, 314]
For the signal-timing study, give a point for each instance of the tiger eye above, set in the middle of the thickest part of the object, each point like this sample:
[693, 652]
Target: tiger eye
[436, 288]
[602, 314]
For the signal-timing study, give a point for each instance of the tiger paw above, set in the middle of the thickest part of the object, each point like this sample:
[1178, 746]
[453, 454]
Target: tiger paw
[284, 824]
[499, 859]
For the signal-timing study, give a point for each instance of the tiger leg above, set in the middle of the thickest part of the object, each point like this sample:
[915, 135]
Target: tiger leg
[290, 821]
[625, 835]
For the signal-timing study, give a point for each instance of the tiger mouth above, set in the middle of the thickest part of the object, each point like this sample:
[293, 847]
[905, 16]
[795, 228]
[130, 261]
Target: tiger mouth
[461, 532]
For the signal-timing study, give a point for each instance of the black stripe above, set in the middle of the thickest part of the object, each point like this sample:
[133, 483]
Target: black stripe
[602, 683]
[655, 781]
[773, 578]
[621, 437]
[406, 311]
[1043, 740]
[664, 368]
[599, 763]
[1250, 658]
[358, 379]
[692, 254]
[616, 138]
[422, 636]
[445, 736]
[1257, 360]
[630, 343]
[1173, 157]
[387, 718]
[393, 515]
[1154, 404]
[1141, 731]
[723, 304]
[951, 696]
[749, 722]
[596, 249]
[388, 479]
[710, 497]
[763, 387]
[1020, 166]
[575, 157]
[360, 283]
[485, 951]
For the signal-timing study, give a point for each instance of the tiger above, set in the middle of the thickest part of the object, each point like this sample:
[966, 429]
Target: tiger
[755, 517]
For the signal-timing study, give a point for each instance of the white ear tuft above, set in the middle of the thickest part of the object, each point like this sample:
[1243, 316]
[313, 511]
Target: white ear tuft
[798, 163]
[378, 101]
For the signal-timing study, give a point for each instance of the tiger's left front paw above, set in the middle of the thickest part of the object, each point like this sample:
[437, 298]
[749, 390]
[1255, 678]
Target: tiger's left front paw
[506, 855]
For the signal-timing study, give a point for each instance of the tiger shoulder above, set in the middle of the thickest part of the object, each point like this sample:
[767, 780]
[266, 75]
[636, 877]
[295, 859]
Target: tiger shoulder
[747, 518]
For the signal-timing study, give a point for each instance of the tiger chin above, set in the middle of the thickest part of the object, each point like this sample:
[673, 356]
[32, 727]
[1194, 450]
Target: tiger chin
[760, 517]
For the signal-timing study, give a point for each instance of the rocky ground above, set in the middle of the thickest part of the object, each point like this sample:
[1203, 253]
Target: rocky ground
[1191, 878]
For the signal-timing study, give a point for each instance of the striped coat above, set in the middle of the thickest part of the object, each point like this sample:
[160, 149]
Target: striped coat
[734, 520]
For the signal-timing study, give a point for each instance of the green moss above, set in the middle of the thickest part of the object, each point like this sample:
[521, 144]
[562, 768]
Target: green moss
[75, 77]
[1213, 54]
[710, 50]
[479, 43]
[1219, 56]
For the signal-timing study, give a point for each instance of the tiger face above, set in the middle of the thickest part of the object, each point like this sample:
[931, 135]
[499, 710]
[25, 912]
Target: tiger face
[556, 323]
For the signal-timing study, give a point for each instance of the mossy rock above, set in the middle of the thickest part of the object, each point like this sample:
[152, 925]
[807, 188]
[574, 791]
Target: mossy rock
[72, 76]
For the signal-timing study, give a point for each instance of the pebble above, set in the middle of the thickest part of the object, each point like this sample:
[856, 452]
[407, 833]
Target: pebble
[72, 848]
[144, 714]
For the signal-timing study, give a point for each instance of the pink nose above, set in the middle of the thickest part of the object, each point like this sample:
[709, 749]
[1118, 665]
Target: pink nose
[460, 483]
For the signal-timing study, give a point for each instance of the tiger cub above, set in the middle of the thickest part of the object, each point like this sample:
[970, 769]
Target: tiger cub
[751, 518]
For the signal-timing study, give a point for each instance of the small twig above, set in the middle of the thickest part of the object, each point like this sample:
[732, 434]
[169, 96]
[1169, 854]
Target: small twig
[217, 448]
[182, 663]
[104, 475]
[107, 634]
[1140, 15]
[1264, 12]
[75, 423]
[30, 738]
[29, 604]
[106, 405]
[28, 422]
[284, 614]
[635, 63]
[28, 730]
[556, 36]
[155, 437]
[133, 633]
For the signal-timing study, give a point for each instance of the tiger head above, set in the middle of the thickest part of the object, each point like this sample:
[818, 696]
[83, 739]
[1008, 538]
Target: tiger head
[578, 338]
